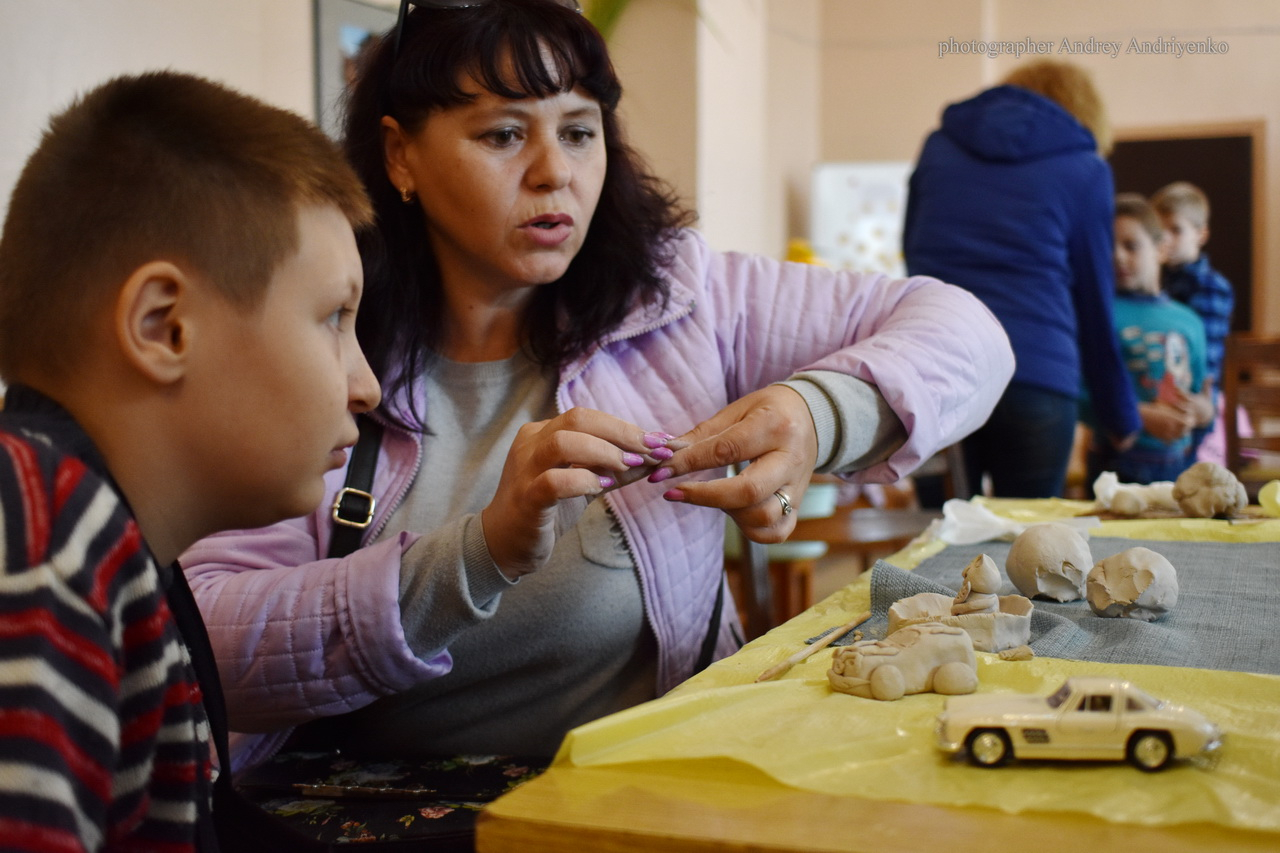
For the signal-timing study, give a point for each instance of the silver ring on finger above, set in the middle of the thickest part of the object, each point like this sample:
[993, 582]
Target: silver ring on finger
[785, 501]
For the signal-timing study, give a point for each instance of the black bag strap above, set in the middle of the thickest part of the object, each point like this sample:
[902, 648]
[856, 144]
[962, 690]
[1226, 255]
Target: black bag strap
[708, 650]
[354, 504]
[237, 826]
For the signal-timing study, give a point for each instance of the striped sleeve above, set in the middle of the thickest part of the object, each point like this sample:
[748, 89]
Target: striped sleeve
[97, 712]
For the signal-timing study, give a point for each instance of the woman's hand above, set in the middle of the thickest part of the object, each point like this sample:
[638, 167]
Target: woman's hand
[576, 455]
[770, 428]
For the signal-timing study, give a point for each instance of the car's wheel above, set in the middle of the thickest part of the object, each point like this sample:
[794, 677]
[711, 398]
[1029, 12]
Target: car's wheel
[887, 683]
[1150, 751]
[988, 747]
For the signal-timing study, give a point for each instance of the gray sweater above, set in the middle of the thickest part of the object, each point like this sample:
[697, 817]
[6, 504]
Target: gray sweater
[570, 642]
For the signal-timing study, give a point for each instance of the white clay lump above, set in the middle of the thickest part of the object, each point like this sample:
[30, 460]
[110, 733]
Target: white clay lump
[1207, 490]
[1132, 499]
[1137, 584]
[1049, 560]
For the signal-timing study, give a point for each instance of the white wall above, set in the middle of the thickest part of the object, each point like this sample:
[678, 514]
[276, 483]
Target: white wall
[654, 50]
[884, 84]
[722, 98]
[746, 61]
[732, 101]
[732, 132]
[793, 115]
[50, 51]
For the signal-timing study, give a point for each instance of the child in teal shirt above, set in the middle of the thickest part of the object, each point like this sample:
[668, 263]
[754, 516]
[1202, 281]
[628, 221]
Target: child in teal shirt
[1163, 344]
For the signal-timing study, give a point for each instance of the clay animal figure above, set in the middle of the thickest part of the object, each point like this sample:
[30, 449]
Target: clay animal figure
[1207, 490]
[981, 582]
[1137, 583]
[923, 658]
[1049, 560]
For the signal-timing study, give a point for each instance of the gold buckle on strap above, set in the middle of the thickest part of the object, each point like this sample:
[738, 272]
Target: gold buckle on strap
[349, 514]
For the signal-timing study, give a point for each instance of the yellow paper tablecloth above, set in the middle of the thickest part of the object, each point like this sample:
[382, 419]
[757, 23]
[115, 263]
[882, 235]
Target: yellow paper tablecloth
[797, 732]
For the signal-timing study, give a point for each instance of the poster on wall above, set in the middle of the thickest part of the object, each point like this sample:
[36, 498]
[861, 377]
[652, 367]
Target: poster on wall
[343, 28]
[856, 215]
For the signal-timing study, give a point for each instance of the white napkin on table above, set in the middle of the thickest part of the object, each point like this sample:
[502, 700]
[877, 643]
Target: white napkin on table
[966, 523]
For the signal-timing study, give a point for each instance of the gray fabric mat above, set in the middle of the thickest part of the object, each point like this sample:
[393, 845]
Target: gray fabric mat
[1227, 615]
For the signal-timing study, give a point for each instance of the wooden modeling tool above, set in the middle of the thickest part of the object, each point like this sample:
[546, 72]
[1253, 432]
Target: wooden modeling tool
[817, 646]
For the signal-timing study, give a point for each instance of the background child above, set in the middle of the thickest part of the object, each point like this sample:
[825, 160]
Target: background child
[178, 285]
[1163, 346]
[1188, 278]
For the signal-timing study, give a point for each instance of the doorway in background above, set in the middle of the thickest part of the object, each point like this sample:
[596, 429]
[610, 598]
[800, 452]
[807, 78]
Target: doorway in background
[1225, 162]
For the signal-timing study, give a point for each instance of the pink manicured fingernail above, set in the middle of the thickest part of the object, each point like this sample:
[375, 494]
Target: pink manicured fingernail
[607, 482]
[662, 453]
[673, 495]
[633, 459]
[656, 439]
[660, 475]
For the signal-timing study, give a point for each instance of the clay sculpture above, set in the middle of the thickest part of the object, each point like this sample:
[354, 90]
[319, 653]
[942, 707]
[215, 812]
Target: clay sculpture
[922, 658]
[981, 582]
[1207, 490]
[993, 622]
[1133, 499]
[1137, 583]
[1049, 561]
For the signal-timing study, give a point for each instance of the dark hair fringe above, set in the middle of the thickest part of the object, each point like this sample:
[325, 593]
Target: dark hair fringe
[621, 263]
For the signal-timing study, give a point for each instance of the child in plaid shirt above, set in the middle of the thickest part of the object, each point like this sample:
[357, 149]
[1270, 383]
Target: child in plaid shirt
[1188, 278]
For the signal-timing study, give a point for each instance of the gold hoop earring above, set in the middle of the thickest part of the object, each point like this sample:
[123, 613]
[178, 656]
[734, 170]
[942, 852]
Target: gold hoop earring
[406, 195]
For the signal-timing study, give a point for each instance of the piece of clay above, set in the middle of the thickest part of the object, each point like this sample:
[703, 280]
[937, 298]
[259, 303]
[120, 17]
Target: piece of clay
[1017, 653]
[922, 658]
[1133, 499]
[1269, 498]
[1137, 583]
[1207, 490]
[978, 590]
[1049, 560]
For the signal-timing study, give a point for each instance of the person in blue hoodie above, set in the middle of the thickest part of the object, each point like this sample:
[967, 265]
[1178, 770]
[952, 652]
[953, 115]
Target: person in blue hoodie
[1011, 199]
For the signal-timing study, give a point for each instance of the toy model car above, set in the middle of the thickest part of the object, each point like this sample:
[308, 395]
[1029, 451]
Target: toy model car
[1089, 717]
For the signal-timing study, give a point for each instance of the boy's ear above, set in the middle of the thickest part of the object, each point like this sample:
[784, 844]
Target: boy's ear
[1204, 236]
[394, 143]
[151, 323]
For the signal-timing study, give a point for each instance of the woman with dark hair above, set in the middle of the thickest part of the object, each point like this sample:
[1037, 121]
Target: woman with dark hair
[546, 326]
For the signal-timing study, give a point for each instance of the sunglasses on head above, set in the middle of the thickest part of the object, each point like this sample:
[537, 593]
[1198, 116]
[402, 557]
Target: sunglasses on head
[448, 4]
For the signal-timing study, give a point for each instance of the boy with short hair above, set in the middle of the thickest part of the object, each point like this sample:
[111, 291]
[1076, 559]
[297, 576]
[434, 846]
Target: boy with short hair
[178, 284]
[1163, 346]
[1188, 278]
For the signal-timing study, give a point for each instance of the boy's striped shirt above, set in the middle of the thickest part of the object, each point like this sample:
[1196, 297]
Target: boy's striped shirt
[104, 743]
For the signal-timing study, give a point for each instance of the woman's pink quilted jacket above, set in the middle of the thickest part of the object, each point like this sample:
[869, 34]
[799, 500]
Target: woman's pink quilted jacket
[299, 636]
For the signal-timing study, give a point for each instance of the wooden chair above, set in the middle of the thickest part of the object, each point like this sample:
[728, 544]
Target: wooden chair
[1251, 380]
[772, 583]
[948, 464]
[867, 531]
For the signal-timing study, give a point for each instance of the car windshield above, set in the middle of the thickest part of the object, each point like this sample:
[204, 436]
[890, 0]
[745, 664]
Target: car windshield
[1061, 696]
